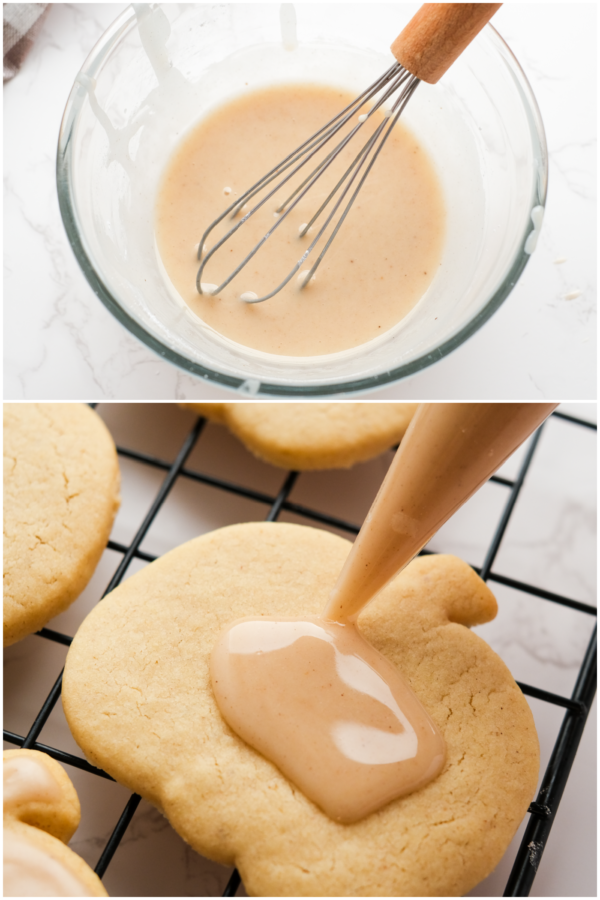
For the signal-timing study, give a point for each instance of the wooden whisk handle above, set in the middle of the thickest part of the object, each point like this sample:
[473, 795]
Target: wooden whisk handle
[438, 34]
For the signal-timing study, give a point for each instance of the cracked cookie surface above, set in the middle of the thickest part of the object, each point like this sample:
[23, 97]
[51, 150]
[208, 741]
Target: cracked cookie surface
[61, 494]
[138, 699]
[312, 435]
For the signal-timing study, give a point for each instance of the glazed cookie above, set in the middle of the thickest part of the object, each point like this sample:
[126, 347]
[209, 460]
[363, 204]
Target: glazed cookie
[312, 435]
[138, 698]
[41, 813]
[61, 493]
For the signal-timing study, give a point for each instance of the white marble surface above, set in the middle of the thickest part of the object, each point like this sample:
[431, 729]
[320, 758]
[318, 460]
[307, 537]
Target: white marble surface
[60, 341]
[550, 542]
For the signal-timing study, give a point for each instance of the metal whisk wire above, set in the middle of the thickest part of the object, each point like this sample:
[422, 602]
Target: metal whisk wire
[395, 77]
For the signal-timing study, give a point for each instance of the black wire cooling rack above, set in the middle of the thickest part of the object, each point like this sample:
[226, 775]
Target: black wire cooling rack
[542, 811]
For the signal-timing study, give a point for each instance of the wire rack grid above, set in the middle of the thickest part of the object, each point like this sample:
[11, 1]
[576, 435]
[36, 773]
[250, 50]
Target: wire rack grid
[542, 811]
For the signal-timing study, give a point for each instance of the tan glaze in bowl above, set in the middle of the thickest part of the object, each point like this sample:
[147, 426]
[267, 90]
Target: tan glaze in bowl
[157, 70]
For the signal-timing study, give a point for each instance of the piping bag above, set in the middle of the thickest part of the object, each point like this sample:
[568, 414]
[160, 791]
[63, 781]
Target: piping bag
[447, 453]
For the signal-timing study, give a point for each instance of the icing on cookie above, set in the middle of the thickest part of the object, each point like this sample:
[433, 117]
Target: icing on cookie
[328, 709]
[41, 813]
[312, 695]
[26, 779]
[31, 871]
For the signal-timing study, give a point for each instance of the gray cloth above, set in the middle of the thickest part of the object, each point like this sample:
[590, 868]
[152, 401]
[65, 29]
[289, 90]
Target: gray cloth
[21, 23]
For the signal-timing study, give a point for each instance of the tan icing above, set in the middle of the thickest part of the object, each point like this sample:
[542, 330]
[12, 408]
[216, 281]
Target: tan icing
[312, 695]
[31, 871]
[26, 779]
[381, 263]
[328, 710]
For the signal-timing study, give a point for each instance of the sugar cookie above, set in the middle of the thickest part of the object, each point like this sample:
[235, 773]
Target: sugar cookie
[138, 699]
[61, 494]
[41, 813]
[312, 435]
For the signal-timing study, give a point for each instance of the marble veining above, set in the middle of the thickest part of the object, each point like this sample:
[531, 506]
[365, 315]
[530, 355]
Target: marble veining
[60, 341]
[550, 542]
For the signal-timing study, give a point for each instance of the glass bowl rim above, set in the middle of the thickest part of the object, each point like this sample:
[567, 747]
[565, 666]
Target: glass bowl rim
[92, 65]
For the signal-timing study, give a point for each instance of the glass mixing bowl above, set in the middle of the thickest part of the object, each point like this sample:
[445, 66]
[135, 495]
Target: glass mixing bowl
[159, 69]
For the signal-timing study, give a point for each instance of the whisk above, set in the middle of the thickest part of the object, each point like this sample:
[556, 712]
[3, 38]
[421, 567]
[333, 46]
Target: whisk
[426, 48]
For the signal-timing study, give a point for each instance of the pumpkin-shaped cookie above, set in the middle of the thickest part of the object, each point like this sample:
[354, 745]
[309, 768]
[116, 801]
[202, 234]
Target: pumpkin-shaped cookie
[41, 813]
[312, 435]
[137, 695]
[61, 494]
